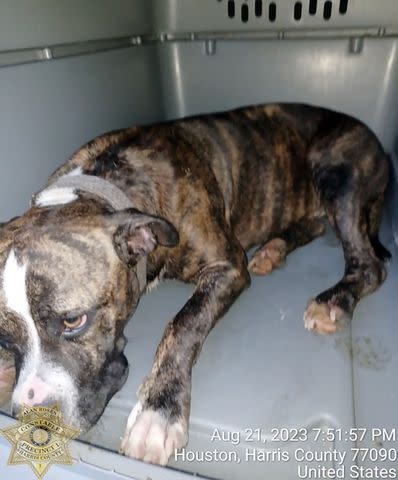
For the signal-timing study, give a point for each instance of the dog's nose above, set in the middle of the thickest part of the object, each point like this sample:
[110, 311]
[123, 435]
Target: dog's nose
[34, 392]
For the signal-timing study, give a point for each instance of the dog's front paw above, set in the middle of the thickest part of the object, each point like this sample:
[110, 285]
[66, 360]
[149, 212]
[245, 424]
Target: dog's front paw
[324, 318]
[151, 436]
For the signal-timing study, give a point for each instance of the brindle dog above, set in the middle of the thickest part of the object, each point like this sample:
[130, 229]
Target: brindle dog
[205, 189]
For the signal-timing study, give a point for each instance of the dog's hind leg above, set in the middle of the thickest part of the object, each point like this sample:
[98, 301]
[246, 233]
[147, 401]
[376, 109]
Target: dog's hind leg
[374, 211]
[272, 254]
[350, 173]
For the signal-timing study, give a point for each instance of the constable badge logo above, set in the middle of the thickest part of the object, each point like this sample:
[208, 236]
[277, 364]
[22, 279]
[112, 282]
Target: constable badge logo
[40, 439]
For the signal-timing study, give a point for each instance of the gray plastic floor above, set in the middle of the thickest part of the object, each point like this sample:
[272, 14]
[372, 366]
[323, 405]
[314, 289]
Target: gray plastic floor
[260, 368]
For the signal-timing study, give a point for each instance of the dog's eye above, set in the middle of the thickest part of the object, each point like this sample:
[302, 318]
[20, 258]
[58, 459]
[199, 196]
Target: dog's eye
[74, 325]
[6, 344]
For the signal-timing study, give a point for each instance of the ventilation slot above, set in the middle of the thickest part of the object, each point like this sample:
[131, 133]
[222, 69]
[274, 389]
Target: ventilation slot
[298, 10]
[343, 7]
[231, 9]
[327, 10]
[313, 7]
[258, 8]
[244, 13]
[272, 12]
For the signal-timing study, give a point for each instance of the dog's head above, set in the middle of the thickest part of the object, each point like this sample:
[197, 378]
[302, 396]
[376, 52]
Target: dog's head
[68, 287]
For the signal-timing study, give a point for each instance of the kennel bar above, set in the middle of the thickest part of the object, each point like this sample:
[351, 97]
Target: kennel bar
[258, 368]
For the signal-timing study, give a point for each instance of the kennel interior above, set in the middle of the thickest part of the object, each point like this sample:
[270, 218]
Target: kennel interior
[70, 70]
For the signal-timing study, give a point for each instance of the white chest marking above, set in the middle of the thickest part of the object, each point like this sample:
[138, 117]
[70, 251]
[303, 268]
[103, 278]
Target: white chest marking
[14, 286]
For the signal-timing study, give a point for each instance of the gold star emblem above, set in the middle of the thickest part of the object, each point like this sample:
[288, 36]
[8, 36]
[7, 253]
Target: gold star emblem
[40, 439]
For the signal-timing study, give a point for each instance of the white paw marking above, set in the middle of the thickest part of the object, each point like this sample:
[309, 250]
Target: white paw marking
[323, 318]
[151, 437]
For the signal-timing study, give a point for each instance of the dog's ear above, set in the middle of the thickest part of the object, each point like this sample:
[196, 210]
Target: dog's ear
[138, 234]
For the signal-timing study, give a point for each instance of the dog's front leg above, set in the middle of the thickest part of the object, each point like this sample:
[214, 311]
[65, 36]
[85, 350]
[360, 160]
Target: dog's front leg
[158, 425]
